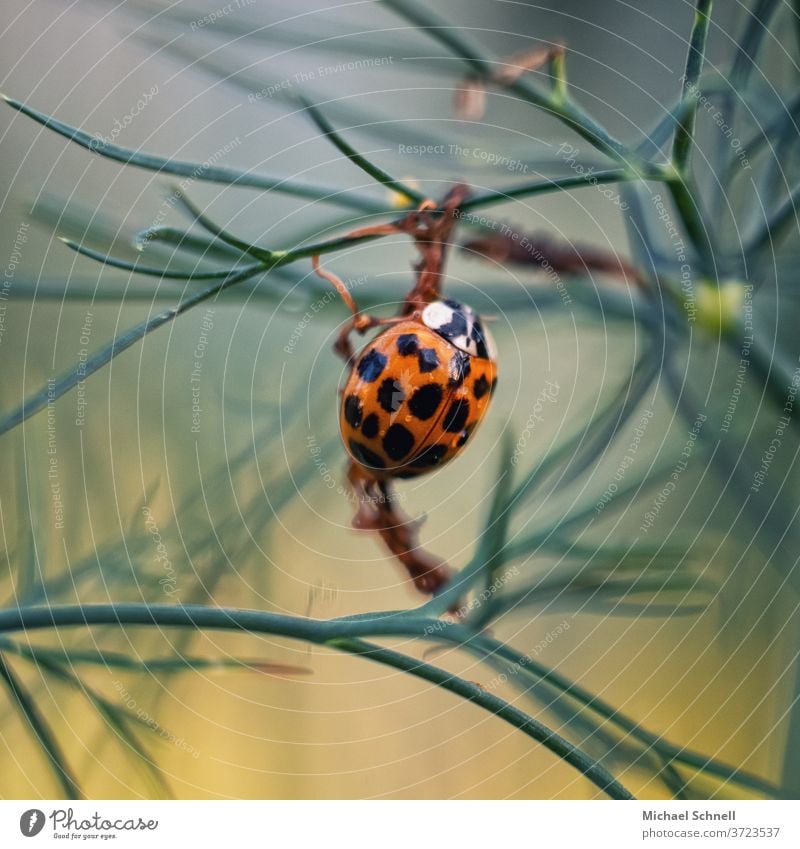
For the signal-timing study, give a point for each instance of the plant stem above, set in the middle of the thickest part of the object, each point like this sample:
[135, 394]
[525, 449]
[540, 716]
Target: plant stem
[321, 632]
[555, 103]
[576, 118]
[67, 381]
[561, 747]
[777, 380]
[784, 216]
[341, 634]
[574, 181]
[684, 132]
[162, 273]
[689, 211]
[193, 171]
[488, 647]
[358, 159]
[41, 731]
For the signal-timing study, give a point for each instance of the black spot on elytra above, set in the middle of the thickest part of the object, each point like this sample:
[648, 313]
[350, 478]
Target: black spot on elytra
[431, 456]
[370, 426]
[353, 411]
[456, 417]
[371, 365]
[428, 359]
[464, 436]
[407, 344]
[391, 395]
[365, 456]
[425, 401]
[459, 368]
[480, 387]
[398, 441]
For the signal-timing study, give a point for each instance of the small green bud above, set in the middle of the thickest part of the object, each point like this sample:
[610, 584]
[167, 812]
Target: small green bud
[718, 307]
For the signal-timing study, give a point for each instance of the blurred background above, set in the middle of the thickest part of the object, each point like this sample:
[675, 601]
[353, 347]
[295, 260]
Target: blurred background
[204, 464]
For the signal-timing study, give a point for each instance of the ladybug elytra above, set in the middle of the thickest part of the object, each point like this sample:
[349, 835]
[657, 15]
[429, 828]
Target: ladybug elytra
[418, 391]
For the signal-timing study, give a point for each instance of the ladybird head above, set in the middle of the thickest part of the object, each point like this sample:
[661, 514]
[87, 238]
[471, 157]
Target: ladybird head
[461, 327]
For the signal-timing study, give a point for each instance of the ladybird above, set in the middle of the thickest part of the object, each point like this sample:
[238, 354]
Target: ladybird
[418, 391]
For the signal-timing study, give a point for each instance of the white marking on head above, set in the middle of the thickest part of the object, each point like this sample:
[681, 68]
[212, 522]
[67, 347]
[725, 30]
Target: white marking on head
[437, 314]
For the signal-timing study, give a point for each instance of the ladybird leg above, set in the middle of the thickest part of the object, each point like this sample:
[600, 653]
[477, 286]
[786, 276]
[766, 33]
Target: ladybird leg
[358, 321]
[336, 282]
[378, 229]
[362, 485]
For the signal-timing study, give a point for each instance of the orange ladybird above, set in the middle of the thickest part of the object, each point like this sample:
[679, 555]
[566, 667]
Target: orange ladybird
[418, 391]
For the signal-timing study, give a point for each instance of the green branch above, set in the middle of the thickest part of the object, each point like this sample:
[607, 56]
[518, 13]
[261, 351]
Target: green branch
[263, 255]
[691, 214]
[39, 400]
[487, 647]
[780, 222]
[757, 27]
[114, 716]
[575, 117]
[378, 174]
[80, 372]
[684, 133]
[558, 745]
[538, 187]
[147, 271]
[341, 634]
[556, 102]
[202, 171]
[41, 730]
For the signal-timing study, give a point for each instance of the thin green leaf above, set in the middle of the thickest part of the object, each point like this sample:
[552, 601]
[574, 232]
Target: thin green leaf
[536, 730]
[117, 720]
[538, 187]
[185, 241]
[332, 37]
[684, 132]
[783, 221]
[488, 647]
[261, 90]
[262, 254]
[563, 108]
[182, 663]
[114, 715]
[750, 43]
[582, 449]
[358, 159]
[165, 273]
[39, 400]
[488, 555]
[665, 129]
[205, 171]
[41, 731]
